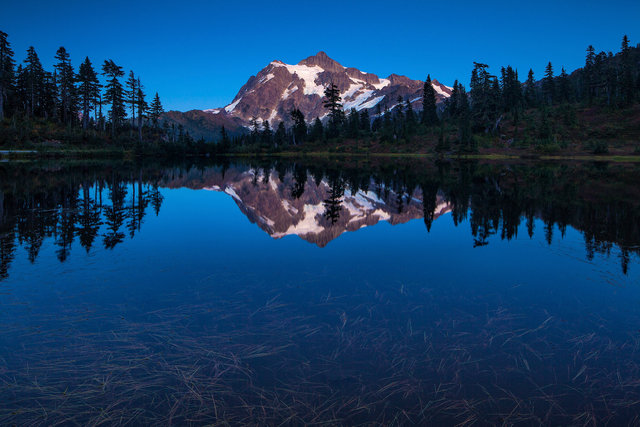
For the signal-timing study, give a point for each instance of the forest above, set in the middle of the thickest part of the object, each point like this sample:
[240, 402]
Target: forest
[592, 110]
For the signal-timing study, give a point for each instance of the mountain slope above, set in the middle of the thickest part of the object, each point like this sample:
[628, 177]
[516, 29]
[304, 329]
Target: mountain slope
[278, 88]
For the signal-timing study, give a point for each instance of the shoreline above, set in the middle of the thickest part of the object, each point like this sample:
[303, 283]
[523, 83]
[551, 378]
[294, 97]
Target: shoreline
[128, 154]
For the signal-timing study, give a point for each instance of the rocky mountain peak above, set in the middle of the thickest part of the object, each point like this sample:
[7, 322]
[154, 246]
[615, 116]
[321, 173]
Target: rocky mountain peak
[322, 60]
[275, 90]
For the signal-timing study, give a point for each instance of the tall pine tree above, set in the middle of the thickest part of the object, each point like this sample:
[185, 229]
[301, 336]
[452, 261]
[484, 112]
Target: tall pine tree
[429, 110]
[89, 86]
[548, 85]
[114, 93]
[333, 102]
[6, 72]
[66, 89]
[155, 110]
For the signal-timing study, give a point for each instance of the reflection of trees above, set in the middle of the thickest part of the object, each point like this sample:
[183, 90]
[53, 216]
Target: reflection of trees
[68, 204]
[114, 215]
[89, 220]
[299, 181]
[7, 252]
[603, 202]
[333, 204]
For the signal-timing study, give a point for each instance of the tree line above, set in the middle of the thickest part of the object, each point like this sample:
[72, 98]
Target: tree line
[85, 98]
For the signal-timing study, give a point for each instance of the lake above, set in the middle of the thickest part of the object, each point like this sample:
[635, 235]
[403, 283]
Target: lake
[282, 291]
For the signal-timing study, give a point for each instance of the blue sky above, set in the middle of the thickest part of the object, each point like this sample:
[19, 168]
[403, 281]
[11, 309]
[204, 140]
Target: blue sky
[197, 54]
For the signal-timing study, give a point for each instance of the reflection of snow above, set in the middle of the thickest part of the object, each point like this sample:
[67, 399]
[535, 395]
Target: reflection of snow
[308, 225]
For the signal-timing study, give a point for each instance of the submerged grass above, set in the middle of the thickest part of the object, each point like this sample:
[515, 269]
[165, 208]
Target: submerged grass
[244, 353]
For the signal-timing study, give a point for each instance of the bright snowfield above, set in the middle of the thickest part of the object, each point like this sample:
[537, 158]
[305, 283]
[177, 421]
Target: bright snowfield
[360, 94]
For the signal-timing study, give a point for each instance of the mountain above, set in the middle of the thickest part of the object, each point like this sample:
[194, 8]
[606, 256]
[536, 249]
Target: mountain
[268, 201]
[278, 88]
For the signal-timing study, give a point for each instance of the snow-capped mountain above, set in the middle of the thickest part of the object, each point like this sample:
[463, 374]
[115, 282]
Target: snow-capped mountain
[278, 88]
[268, 202]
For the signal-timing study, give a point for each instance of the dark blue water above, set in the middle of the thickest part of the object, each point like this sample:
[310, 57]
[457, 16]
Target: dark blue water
[304, 292]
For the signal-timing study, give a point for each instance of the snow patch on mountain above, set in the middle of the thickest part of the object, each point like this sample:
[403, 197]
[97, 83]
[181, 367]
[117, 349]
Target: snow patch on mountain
[229, 108]
[372, 103]
[308, 75]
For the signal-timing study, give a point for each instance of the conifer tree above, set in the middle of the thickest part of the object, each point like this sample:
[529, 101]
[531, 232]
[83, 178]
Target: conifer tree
[131, 94]
[88, 89]
[429, 110]
[141, 106]
[114, 93]
[365, 121]
[6, 72]
[589, 77]
[627, 73]
[299, 126]
[333, 102]
[564, 87]
[317, 130]
[353, 124]
[266, 134]
[280, 136]
[453, 101]
[530, 93]
[66, 89]
[34, 80]
[156, 110]
[224, 138]
[548, 85]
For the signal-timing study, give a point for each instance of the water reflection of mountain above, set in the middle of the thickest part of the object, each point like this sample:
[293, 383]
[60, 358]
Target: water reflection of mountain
[105, 203]
[302, 206]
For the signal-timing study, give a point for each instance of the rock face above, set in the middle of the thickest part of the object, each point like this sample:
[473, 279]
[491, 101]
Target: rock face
[271, 203]
[278, 88]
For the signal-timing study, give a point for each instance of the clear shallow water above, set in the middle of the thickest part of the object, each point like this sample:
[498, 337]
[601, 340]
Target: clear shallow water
[280, 292]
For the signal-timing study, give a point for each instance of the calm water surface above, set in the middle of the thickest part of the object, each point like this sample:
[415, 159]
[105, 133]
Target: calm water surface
[337, 292]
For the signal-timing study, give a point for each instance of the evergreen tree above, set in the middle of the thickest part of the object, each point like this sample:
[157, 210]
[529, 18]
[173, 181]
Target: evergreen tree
[353, 124]
[34, 81]
[114, 93]
[66, 89]
[156, 110]
[511, 91]
[429, 109]
[6, 72]
[142, 107]
[564, 87]
[266, 135]
[589, 78]
[131, 95]
[365, 121]
[465, 135]
[224, 138]
[299, 126]
[88, 89]
[451, 106]
[530, 92]
[548, 85]
[49, 97]
[484, 96]
[627, 73]
[333, 102]
[317, 130]
[280, 137]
